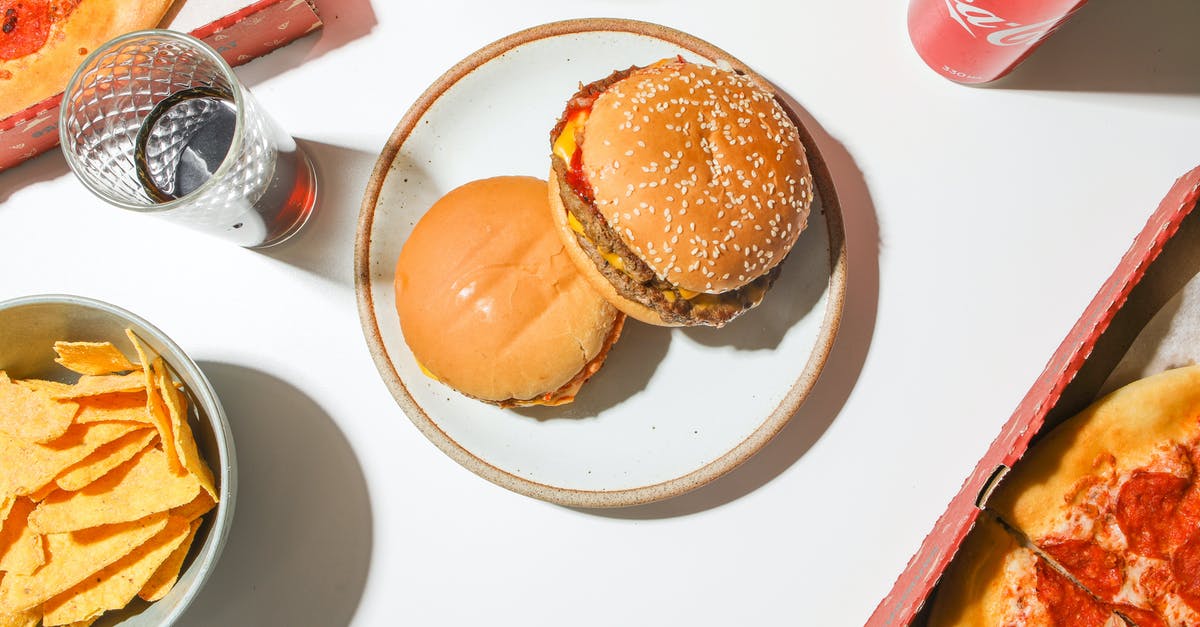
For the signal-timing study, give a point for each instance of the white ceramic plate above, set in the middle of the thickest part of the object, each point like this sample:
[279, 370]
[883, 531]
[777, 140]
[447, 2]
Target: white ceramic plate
[671, 409]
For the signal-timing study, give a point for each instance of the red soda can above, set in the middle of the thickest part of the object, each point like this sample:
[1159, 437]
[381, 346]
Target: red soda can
[976, 41]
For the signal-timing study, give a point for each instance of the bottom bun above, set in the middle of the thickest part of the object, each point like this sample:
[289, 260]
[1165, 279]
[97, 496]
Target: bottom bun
[589, 270]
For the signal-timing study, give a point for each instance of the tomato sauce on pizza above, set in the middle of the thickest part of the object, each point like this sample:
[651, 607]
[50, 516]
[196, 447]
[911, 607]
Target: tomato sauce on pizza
[1146, 512]
[1067, 603]
[26, 24]
[1141, 546]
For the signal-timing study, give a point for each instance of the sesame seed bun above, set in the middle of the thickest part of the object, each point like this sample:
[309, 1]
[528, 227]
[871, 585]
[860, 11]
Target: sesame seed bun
[699, 172]
[490, 306]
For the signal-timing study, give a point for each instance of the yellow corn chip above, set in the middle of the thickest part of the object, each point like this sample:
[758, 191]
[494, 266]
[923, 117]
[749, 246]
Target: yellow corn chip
[163, 579]
[154, 403]
[102, 487]
[28, 618]
[28, 466]
[53, 388]
[115, 585]
[95, 385]
[197, 508]
[142, 486]
[91, 357]
[104, 459]
[31, 414]
[124, 406]
[41, 493]
[185, 443]
[21, 549]
[72, 557]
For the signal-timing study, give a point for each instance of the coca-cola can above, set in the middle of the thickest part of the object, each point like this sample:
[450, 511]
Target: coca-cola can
[976, 41]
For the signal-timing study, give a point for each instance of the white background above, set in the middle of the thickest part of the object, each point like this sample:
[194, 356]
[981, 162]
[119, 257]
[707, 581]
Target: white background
[980, 222]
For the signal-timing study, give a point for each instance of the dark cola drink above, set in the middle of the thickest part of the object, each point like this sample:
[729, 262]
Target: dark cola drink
[266, 190]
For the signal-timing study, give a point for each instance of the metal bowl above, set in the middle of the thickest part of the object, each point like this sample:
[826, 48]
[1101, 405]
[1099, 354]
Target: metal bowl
[30, 325]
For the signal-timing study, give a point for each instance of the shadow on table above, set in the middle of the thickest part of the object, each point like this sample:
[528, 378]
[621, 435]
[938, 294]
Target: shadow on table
[845, 361]
[344, 21]
[47, 166]
[1118, 46]
[325, 244]
[300, 546]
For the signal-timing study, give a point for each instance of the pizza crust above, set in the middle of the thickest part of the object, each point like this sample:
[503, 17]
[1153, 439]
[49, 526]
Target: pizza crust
[1118, 433]
[983, 583]
[42, 74]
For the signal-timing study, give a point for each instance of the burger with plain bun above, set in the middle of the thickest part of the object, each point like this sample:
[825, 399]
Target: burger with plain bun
[678, 189]
[490, 305]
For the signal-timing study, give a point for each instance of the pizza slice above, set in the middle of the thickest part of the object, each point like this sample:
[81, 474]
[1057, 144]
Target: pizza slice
[43, 41]
[994, 581]
[1113, 496]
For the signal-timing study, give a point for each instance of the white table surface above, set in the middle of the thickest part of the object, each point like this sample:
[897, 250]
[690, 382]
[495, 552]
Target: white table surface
[979, 223]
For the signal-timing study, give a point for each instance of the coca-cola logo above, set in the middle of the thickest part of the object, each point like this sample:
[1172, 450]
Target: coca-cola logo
[1000, 31]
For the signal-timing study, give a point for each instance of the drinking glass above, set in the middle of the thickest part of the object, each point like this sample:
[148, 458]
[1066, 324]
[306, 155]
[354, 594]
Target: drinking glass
[156, 122]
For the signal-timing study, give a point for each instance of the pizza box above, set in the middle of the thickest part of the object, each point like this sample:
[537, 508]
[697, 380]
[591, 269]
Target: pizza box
[239, 29]
[1132, 328]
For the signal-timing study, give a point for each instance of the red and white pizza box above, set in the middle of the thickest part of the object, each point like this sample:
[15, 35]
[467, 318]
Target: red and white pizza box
[1163, 259]
[239, 31]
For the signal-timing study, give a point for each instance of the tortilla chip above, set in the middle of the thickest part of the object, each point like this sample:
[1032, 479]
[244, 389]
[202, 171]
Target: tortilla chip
[41, 493]
[95, 385]
[118, 511]
[72, 557]
[155, 407]
[104, 459]
[21, 549]
[54, 388]
[163, 579]
[197, 508]
[29, 466]
[28, 618]
[142, 486]
[161, 416]
[32, 414]
[92, 357]
[185, 444]
[115, 585]
[123, 406]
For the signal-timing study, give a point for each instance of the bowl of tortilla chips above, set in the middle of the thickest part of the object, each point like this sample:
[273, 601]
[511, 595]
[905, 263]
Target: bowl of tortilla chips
[117, 468]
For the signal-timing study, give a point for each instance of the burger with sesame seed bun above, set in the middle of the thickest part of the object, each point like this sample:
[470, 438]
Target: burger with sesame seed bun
[678, 189]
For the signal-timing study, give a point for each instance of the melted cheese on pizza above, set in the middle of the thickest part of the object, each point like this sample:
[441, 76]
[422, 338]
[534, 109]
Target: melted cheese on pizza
[1157, 504]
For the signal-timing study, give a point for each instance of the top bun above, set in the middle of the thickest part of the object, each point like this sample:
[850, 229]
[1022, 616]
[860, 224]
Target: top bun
[699, 171]
[491, 306]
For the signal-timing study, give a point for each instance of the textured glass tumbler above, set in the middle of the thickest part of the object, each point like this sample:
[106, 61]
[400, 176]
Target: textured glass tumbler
[156, 122]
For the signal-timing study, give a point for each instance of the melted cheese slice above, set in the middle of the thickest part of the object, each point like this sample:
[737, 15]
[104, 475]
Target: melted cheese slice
[565, 146]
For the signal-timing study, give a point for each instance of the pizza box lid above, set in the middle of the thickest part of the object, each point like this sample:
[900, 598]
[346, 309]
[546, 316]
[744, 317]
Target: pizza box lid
[239, 29]
[1095, 356]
